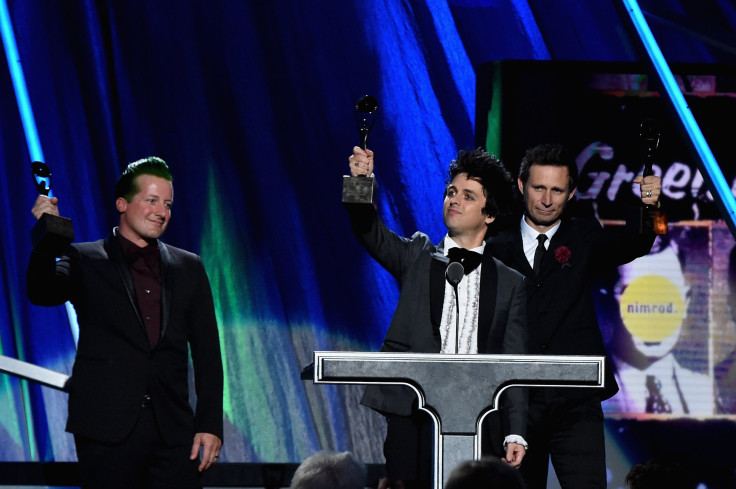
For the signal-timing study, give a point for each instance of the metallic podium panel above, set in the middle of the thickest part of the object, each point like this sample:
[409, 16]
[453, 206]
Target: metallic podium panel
[457, 390]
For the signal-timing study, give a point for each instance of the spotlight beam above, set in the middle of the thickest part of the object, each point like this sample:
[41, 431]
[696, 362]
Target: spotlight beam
[707, 164]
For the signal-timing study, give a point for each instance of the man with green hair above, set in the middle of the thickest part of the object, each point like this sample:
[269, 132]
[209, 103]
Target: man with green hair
[141, 305]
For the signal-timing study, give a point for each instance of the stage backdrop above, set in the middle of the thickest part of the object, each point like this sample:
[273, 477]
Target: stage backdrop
[251, 103]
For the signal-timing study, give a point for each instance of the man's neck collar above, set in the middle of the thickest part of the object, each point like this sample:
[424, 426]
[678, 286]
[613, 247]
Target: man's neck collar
[116, 232]
[531, 227]
[451, 242]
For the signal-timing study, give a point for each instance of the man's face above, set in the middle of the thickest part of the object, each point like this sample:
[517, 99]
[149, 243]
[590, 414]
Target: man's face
[546, 193]
[145, 217]
[463, 207]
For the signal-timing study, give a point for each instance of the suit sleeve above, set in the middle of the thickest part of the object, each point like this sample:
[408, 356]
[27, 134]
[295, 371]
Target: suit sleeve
[48, 282]
[206, 359]
[516, 341]
[614, 246]
[391, 251]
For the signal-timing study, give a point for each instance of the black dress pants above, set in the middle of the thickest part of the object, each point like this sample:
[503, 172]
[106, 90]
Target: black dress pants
[570, 431]
[408, 447]
[140, 461]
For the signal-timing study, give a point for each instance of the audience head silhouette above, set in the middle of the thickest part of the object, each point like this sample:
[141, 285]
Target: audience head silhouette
[329, 470]
[659, 473]
[483, 474]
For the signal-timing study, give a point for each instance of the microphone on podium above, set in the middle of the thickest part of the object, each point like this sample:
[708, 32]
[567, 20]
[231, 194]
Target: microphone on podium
[454, 274]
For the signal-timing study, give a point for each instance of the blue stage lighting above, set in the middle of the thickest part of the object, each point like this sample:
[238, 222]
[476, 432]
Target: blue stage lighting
[723, 193]
[19, 84]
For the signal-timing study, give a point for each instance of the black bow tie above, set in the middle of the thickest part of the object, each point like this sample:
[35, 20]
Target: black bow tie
[468, 259]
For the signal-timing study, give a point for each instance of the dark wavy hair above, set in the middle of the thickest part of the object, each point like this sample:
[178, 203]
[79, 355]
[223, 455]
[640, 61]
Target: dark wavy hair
[551, 155]
[658, 472]
[484, 473]
[127, 185]
[497, 182]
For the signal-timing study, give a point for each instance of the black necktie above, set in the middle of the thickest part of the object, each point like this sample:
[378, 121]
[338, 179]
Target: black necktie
[468, 259]
[539, 253]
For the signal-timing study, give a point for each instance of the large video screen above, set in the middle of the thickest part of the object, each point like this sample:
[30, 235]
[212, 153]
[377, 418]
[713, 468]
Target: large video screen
[669, 318]
[669, 322]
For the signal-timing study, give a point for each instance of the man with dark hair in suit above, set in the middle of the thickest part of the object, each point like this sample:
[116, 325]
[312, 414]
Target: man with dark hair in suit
[558, 256]
[491, 302]
[141, 304]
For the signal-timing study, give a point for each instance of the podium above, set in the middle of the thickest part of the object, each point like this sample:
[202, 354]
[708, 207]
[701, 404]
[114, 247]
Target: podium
[457, 391]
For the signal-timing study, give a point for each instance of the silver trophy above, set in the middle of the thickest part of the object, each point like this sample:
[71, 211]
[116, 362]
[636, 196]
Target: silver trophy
[360, 189]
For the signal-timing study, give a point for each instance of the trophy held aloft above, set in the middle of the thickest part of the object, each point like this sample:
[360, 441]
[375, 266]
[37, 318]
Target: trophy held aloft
[361, 189]
[51, 235]
[644, 219]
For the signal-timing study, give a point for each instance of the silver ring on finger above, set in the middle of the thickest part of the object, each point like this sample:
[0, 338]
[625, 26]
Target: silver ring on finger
[649, 193]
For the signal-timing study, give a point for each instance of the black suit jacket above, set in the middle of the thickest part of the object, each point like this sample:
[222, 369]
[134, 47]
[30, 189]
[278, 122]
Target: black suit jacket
[561, 315]
[419, 267]
[115, 365]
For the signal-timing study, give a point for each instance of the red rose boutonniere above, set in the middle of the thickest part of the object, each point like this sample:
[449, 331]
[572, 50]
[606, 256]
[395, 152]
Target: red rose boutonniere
[562, 255]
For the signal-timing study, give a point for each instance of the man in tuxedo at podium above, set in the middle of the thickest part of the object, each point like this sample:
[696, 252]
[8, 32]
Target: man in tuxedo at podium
[491, 303]
[141, 304]
[558, 256]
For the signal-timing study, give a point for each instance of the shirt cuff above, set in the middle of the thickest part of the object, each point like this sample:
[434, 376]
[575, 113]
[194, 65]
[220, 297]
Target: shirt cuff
[515, 439]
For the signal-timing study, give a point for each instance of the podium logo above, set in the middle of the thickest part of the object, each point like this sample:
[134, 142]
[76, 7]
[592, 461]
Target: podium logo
[652, 308]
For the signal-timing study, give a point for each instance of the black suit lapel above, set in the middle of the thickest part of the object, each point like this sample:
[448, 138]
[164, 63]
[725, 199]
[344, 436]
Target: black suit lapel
[518, 260]
[166, 286]
[486, 298]
[437, 269]
[115, 253]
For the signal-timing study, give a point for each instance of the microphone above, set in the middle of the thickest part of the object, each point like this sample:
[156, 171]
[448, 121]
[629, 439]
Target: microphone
[454, 274]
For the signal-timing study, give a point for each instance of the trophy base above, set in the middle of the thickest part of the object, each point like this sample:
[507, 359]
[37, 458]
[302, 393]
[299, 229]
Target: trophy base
[357, 190]
[51, 235]
[646, 219]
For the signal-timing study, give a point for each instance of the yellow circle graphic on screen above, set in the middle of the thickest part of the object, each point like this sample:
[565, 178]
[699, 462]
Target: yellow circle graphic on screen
[652, 308]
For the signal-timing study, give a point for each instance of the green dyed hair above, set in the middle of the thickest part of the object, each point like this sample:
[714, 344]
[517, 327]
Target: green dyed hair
[127, 185]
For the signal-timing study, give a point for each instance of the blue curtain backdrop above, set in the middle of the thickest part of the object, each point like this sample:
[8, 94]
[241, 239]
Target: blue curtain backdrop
[250, 102]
